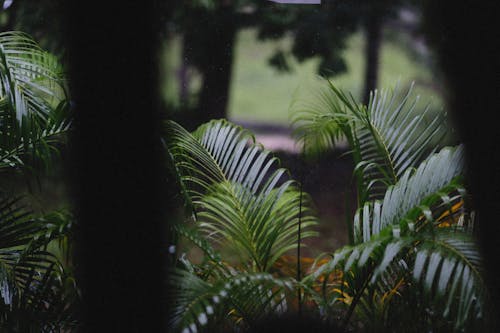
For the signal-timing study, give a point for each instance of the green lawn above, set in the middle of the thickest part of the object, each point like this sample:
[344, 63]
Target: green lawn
[260, 93]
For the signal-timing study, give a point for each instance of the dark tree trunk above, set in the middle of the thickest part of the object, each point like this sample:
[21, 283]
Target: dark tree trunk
[469, 58]
[217, 66]
[373, 27]
[118, 170]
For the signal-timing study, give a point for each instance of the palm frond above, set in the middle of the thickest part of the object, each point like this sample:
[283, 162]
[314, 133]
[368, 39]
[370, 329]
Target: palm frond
[17, 227]
[239, 195]
[410, 243]
[33, 101]
[263, 227]
[31, 78]
[220, 151]
[33, 283]
[443, 265]
[320, 120]
[41, 296]
[386, 136]
[37, 294]
[415, 195]
[20, 230]
[244, 298]
[449, 266]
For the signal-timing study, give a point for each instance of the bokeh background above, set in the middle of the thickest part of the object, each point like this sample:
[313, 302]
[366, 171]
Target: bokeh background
[248, 61]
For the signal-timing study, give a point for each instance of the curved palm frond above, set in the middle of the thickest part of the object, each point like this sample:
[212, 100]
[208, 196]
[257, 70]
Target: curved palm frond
[442, 269]
[37, 293]
[416, 194]
[262, 227]
[449, 266]
[239, 195]
[34, 286]
[386, 136]
[40, 297]
[220, 151]
[20, 231]
[33, 100]
[243, 298]
[412, 245]
[321, 120]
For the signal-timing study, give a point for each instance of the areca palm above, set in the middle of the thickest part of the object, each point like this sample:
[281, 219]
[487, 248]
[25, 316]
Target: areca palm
[37, 291]
[33, 101]
[413, 253]
[241, 200]
[237, 302]
[239, 196]
[412, 256]
[387, 136]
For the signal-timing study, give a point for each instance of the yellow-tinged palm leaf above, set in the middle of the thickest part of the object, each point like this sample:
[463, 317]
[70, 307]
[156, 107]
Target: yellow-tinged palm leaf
[451, 217]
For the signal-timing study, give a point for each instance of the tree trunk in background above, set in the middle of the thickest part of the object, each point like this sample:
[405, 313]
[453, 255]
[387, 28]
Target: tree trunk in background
[373, 28]
[216, 66]
[183, 75]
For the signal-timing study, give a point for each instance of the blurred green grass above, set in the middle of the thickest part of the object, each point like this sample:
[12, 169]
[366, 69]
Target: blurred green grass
[259, 93]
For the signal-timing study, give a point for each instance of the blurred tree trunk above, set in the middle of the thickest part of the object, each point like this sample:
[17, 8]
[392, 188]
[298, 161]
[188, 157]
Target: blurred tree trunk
[183, 75]
[216, 66]
[373, 28]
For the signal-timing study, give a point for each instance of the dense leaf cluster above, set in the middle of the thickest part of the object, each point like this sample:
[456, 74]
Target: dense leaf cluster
[38, 292]
[412, 259]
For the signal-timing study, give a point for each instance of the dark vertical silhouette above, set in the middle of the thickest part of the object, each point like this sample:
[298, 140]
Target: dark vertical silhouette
[465, 36]
[208, 43]
[216, 63]
[373, 31]
[117, 166]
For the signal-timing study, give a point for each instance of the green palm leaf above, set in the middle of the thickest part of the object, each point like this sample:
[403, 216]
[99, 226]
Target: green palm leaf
[240, 197]
[321, 119]
[443, 265]
[386, 136]
[33, 108]
[31, 78]
[41, 296]
[449, 266]
[220, 151]
[414, 194]
[244, 299]
[261, 226]
[33, 283]
[400, 241]
[36, 292]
